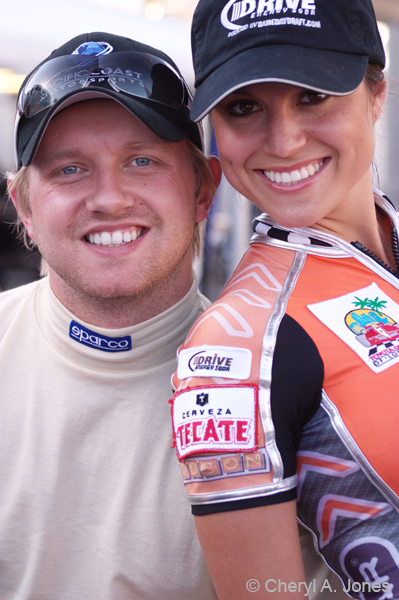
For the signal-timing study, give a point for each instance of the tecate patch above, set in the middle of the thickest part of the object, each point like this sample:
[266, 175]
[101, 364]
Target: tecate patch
[215, 361]
[98, 341]
[215, 419]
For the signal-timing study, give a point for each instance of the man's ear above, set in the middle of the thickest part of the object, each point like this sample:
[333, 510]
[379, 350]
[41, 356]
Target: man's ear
[205, 202]
[379, 94]
[24, 215]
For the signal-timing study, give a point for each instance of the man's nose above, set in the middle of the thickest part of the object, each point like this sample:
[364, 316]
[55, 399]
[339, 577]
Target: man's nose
[110, 194]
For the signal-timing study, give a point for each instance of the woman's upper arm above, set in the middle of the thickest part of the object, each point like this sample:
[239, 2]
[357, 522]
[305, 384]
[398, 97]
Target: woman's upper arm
[254, 547]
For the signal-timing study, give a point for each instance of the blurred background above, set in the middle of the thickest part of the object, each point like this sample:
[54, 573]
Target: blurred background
[30, 30]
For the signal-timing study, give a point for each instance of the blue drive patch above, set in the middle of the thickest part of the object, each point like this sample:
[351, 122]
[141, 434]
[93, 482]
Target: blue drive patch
[96, 340]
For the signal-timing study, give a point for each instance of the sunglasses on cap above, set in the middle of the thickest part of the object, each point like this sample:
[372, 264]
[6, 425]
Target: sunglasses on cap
[136, 74]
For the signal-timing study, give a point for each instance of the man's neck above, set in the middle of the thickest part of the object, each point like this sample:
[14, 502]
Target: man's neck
[119, 312]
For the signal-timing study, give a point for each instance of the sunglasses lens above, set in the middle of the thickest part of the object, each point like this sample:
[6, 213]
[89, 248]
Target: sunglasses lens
[37, 100]
[53, 81]
[144, 76]
[134, 73]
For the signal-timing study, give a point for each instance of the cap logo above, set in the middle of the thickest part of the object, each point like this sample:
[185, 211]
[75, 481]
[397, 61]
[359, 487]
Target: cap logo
[235, 10]
[93, 49]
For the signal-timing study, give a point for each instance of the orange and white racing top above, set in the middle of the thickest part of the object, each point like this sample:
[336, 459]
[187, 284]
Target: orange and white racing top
[288, 387]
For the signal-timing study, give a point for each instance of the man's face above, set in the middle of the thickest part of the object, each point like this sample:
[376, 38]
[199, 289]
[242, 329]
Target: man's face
[112, 207]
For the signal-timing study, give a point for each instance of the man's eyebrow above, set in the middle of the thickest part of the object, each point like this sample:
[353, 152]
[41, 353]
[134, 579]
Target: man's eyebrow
[143, 145]
[129, 146]
[57, 154]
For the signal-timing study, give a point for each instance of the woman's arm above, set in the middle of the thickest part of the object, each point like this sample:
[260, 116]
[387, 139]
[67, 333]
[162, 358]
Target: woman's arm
[254, 553]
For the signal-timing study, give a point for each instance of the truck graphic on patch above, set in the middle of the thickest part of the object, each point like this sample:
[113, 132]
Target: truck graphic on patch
[367, 320]
[371, 326]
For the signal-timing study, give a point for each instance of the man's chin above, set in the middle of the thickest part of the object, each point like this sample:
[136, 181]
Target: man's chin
[89, 287]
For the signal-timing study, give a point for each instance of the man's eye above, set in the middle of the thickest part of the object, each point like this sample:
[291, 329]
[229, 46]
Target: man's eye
[310, 97]
[141, 161]
[70, 170]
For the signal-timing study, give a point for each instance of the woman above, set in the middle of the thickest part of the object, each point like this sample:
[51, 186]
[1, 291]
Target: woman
[288, 385]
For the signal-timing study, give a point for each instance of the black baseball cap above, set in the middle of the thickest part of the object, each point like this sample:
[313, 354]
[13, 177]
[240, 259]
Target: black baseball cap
[102, 65]
[322, 45]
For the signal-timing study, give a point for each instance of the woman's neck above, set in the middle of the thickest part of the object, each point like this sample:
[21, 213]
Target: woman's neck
[370, 227]
[382, 247]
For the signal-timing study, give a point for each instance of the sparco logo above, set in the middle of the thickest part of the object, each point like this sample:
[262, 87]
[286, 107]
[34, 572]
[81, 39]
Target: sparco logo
[85, 336]
[238, 9]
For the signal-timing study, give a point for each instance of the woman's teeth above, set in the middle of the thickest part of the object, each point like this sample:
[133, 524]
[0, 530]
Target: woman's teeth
[294, 176]
[114, 238]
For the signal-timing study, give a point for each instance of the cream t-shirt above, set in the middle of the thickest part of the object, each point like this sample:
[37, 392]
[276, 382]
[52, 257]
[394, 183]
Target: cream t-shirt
[92, 504]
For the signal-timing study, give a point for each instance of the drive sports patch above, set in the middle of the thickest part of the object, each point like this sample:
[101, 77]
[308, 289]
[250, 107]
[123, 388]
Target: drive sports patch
[215, 361]
[215, 419]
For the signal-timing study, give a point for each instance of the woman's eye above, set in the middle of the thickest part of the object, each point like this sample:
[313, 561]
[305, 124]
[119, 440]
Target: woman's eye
[310, 97]
[141, 162]
[242, 108]
[70, 170]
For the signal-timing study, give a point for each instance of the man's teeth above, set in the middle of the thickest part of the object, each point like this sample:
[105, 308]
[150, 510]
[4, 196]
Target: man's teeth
[115, 238]
[295, 176]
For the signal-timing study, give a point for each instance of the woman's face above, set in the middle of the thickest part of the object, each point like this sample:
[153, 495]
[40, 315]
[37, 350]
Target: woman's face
[301, 156]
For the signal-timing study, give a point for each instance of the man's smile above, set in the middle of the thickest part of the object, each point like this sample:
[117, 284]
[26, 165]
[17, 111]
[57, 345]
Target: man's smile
[115, 238]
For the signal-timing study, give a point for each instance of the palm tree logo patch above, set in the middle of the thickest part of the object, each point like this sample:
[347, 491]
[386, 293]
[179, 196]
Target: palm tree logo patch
[371, 325]
[367, 320]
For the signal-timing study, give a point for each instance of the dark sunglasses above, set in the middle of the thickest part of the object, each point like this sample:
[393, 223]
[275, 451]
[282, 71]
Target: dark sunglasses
[137, 74]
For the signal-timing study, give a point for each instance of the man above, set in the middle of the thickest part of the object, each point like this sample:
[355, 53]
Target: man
[111, 187]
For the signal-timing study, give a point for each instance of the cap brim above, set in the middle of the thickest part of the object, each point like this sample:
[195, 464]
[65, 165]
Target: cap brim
[324, 71]
[158, 123]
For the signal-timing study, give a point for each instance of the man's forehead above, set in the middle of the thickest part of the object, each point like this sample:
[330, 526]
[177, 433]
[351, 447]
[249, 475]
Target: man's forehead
[97, 119]
[80, 110]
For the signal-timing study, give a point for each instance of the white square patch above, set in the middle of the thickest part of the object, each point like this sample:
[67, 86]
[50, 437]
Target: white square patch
[368, 321]
[215, 361]
[215, 419]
